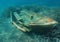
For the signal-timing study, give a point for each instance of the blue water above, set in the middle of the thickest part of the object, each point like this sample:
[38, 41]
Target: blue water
[50, 3]
[9, 33]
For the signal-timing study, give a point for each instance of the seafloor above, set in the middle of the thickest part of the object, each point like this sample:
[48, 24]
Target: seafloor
[9, 33]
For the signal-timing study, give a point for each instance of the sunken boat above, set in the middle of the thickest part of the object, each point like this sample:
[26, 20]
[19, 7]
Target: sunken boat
[30, 21]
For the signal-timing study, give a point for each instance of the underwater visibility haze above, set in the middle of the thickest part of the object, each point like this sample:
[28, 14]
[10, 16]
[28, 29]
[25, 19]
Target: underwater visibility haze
[29, 14]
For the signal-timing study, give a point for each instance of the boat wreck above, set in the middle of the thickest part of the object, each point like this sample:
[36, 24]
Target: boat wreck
[30, 21]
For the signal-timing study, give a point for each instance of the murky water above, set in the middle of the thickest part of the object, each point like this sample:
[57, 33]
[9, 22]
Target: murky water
[9, 33]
